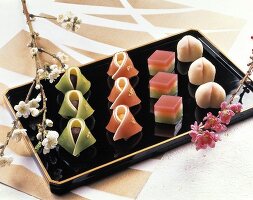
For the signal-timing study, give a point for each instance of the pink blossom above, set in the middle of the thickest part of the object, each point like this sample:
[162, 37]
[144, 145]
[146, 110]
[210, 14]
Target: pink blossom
[226, 115]
[236, 108]
[214, 123]
[196, 127]
[194, 135]
[196, 130]
[224, 105]
[207, 138]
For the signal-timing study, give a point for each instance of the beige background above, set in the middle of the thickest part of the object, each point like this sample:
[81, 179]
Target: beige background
[110, 26]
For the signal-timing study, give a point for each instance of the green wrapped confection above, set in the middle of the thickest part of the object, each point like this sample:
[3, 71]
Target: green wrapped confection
[73, 79]
[76, 137]
[75, 105]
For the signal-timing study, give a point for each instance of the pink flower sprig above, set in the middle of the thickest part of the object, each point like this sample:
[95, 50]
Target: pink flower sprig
[207, 134]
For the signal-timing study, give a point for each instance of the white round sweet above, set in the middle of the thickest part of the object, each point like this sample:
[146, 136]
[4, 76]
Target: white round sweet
[189, 49]
[201, 71]
[210, 95]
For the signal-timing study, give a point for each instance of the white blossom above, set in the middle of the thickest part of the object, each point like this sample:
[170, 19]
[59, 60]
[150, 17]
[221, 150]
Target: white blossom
[4, 161]
[33, 103]
[67, 25]
[34, 112]
[62, 56]
[18, 133]
[23, 109]
[60, 18]
[50, 141]
[34, 51]
[54, 74]
[49, 123]
[69, 21]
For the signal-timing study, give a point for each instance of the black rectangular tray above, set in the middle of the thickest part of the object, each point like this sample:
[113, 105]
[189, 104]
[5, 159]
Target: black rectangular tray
[64, 172]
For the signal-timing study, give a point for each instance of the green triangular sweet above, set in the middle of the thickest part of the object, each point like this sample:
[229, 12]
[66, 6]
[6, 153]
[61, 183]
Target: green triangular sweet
[82, 84]
[68, 110]
[84, 140]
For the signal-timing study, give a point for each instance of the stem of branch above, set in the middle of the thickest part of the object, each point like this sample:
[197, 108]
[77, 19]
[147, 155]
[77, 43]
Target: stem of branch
[245, 78]
[52, 55]
[38, 16]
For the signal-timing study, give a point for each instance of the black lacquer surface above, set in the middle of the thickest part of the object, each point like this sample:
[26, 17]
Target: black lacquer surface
[62, 166]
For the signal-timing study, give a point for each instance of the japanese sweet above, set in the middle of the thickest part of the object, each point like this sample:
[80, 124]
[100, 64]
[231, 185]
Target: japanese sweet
[122, 123]
[76, 137]
[201, 71]
[163, 83]
[168, 109]
[161, 61]
[123, 93]
[73, 79]
[189, 49]
[122, 66]
[210, 95]
[75, 105]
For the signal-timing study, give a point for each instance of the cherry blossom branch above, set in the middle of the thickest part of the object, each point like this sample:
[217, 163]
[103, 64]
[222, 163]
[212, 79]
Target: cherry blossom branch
[36, 58]
[8, 137]
[46, 138]
[15, 123]
[67, 20]
[61, 59]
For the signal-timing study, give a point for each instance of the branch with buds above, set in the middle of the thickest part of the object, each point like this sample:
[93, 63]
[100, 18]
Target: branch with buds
[47, 138]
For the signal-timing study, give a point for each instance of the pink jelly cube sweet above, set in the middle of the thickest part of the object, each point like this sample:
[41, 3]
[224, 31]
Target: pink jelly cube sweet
[163, 83]
[168, 109]
[161, 61]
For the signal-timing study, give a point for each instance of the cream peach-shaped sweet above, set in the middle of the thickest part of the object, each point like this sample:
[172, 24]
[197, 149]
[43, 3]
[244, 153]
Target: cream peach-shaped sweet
[210, 95]
[201, 71]
[189, 49]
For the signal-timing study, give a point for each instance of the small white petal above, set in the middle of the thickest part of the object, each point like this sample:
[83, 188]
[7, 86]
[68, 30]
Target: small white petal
[26, 115]
[38, 98]
[39, 136]
[49, 123]
[37, 86]
[60, 18]
[18, 114]
[46, 150]
[33, 103]
[34, 112]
